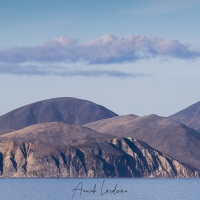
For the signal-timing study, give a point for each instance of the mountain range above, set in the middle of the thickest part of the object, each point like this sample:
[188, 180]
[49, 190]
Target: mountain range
[69, 137]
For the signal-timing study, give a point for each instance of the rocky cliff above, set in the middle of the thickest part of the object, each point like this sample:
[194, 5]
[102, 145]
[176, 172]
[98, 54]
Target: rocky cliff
[161, 133]
[125, 157]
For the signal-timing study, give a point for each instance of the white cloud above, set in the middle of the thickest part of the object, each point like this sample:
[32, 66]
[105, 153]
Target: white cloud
[107, 49]
[62, 40]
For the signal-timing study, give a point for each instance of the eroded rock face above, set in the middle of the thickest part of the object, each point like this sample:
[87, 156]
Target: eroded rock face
[124, 157]
[172, 138]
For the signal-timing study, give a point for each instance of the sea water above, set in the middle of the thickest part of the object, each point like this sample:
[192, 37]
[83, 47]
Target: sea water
[100, 189]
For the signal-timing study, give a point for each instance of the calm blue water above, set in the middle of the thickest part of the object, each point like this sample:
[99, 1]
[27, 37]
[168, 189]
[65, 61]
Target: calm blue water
[137, 189]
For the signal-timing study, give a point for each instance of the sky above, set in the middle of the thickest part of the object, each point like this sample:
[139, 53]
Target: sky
[131, 56]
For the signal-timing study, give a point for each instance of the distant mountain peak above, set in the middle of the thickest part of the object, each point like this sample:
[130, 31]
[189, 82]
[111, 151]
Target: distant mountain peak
[67, 109]
[189, 116]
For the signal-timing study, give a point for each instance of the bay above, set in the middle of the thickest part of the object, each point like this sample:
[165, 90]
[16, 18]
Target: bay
[100, 189]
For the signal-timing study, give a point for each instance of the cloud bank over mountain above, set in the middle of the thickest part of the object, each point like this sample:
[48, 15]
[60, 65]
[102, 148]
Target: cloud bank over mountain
[52, 57]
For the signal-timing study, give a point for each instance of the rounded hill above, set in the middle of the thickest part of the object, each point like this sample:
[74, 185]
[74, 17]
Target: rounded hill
[63, 109]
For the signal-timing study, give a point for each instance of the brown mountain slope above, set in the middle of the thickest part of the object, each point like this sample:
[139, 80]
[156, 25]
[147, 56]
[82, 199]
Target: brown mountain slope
[169, 137]
[124, 157]
[189, 116]
[116, 125]
[54, 133]
[66, 109]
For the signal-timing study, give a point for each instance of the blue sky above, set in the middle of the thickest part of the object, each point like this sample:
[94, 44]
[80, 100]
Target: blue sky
[131, 56]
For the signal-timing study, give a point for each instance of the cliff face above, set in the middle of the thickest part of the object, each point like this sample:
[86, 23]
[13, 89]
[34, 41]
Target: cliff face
[161, 133]
[124, 157]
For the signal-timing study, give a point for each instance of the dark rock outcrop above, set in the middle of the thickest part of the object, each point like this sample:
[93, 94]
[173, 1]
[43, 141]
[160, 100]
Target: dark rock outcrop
[189, 116]
[66, 109]
[161, 133]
